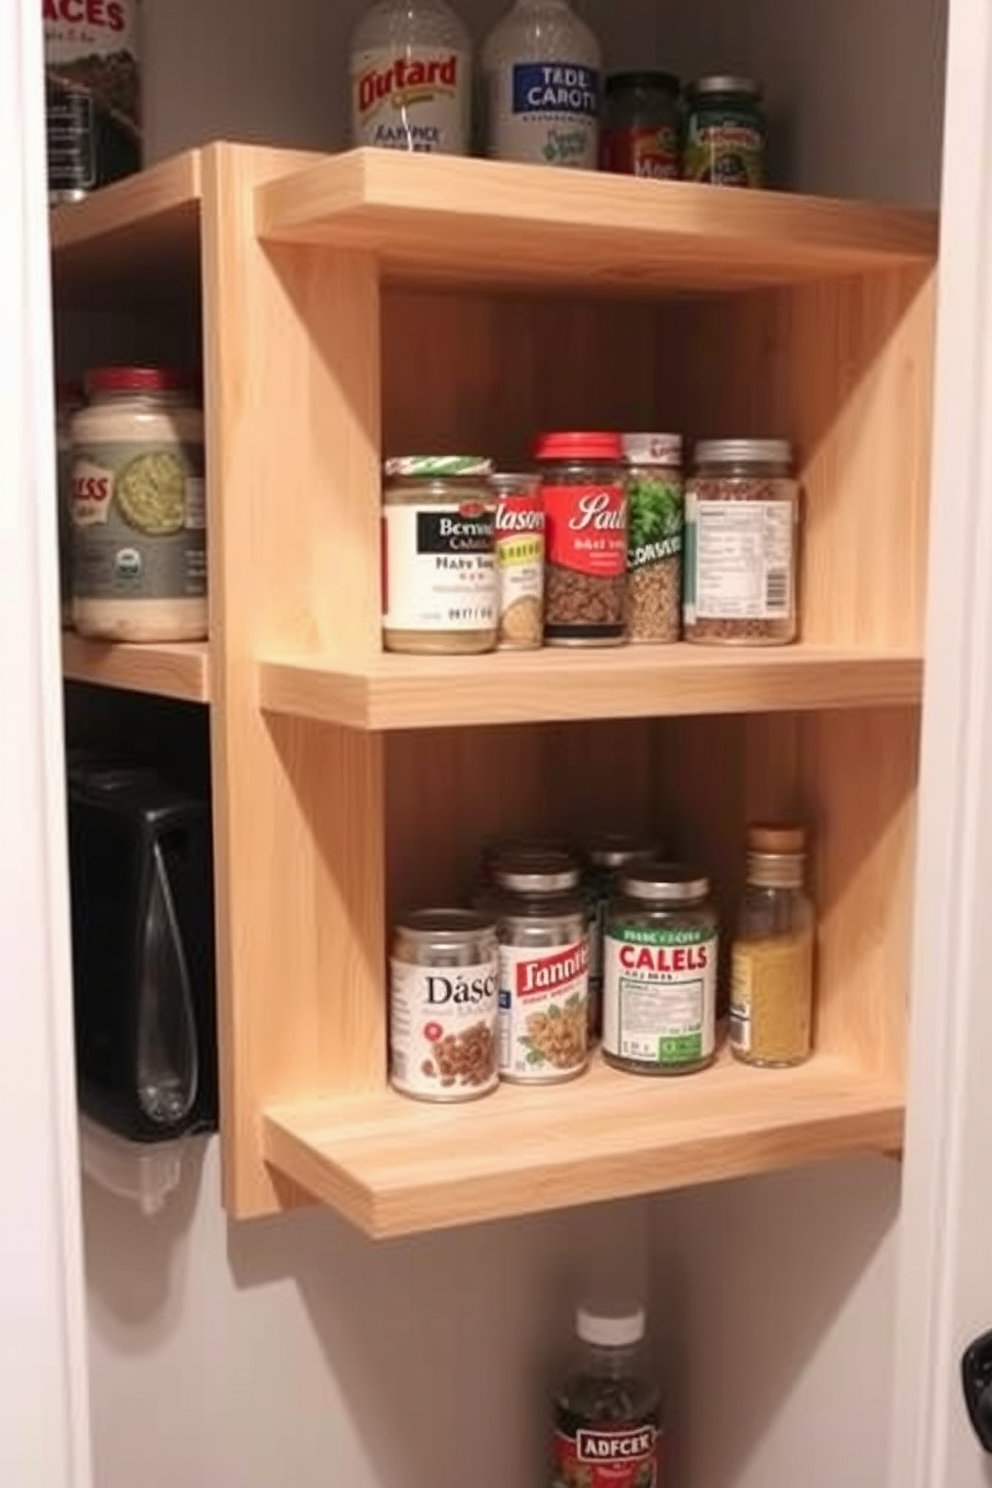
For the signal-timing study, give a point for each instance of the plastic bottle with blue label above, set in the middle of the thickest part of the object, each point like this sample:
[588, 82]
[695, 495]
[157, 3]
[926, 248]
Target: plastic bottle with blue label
[542, 67]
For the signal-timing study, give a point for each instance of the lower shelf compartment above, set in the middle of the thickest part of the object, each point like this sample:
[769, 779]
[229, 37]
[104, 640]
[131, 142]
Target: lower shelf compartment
[395, 1167]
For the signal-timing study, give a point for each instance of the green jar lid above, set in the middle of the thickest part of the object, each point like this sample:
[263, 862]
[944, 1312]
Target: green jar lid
[435, 467]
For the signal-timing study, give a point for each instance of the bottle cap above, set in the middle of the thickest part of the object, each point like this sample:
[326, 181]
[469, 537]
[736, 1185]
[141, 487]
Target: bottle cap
[579, 446]
[776, 837]
[619, 1331]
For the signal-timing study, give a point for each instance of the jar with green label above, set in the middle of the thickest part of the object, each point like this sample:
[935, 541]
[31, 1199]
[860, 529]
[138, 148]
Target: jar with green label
[139, 556]
[725, 132]
[655, 521]
[660, 971]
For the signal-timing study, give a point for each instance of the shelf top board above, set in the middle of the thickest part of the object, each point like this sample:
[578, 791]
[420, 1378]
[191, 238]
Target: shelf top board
[434, 218]
[180, 671]
[405, 692]
[394, 1166]
[135, 240]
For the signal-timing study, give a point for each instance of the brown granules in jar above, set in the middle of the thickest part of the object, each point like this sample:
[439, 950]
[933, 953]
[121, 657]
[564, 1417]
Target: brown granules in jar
[742, 513]
[655, 533]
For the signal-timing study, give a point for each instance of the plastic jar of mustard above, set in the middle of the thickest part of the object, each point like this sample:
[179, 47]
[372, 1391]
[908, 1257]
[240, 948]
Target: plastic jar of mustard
[139, 508]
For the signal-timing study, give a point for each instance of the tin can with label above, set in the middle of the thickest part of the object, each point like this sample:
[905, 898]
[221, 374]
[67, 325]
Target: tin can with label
[520, 561]
[543, 970]
[92, 94]
[439, 582]
[660, 971]
[444, 976]
[585, 512]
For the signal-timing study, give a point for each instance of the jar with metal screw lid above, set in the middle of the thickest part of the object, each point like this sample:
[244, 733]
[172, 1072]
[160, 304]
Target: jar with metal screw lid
[440, 590]
[519, 561]
[642, 125]
[660, 971]
[606, 857]
[544, 969]
[585, 505]
[656, 519]
[771, 999]
[725, 132]
[742, 538]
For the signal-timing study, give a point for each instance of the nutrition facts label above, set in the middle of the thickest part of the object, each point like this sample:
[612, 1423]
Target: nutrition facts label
[743, 560]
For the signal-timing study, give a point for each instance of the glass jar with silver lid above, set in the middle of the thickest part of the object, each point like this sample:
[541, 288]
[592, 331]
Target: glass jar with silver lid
[543, 969]
[742, 543]
[660, 971]
[444, 975]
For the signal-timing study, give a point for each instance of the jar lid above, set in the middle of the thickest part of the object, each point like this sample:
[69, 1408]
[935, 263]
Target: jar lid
[426, 467]
[449, 926]
[742, 451]
[605, 1331]
[579, 446]
[136, 380]
[653, 449]
[673, 883]
[619, 82]
[723, 83]
[613, 849]
[776, 837]
[527, 873]
[537, 846]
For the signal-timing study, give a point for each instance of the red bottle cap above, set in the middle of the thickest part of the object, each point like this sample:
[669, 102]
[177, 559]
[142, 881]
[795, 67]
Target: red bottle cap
[586, 446]
[137, 380]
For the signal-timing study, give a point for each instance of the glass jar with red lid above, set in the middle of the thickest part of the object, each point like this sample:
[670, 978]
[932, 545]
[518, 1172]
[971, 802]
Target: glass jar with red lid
[585, 506]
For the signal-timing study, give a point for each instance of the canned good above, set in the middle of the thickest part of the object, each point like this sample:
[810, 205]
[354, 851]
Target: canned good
[660, 971]
[92, 95]
[519, 561]
[656, 519]
[444, 976]
[725, 132]
[642, 125]
[605, 857]
[543, 970]
[585, 506]
[439, 557]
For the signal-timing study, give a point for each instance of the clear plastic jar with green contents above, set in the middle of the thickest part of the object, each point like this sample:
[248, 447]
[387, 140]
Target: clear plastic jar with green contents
[440, 584]
[660, 971]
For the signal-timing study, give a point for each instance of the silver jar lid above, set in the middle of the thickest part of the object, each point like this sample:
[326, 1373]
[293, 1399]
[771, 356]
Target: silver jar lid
[724, 83]
[554, 873]
[743, 452]
[446, 927]
[669, 883]
[653, 449]
[614, 849]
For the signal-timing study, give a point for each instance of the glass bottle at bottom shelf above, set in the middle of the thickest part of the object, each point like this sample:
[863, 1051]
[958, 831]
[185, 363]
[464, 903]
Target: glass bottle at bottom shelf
[772, 967]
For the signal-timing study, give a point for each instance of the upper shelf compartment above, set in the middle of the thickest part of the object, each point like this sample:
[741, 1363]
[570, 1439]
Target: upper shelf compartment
[136, 239]
[440, 219]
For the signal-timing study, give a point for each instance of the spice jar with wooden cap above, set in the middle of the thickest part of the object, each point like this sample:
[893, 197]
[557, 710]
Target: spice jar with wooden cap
[771, 1000]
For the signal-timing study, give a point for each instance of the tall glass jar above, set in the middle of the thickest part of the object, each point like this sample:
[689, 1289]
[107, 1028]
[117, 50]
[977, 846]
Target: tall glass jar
[742, 539]
[411, 78]
[771, 1005]
[139, 508]
[608, 1409]
[585, 513]
[656, 522]
[542, 65]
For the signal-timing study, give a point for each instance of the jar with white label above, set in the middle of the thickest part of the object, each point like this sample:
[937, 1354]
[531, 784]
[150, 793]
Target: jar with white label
[139, 569]
[440, 585]
[742, 508]
[542, 68]
[543, 969]
[444, 976]
[660, 971]
[411, 78]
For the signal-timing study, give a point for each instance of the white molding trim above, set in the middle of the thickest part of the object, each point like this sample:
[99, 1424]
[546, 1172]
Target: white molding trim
[44, 1431]
[945, 1292]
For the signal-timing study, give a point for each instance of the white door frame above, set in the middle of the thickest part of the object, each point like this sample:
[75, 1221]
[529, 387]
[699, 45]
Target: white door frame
[945, 1294]
[44, 1432]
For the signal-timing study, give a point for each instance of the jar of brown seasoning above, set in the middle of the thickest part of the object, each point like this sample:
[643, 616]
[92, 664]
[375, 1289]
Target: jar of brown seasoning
[585, 505]
[742, 525]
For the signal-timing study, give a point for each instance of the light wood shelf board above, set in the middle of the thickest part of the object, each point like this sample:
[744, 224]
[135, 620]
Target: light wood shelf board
[402, 692]
[136, 239]
[394, 1167]
[440, 219]
[180, 670]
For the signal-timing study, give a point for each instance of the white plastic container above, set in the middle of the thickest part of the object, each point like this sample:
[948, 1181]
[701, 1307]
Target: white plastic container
[411, 78]
[542, 67]
[139, 569]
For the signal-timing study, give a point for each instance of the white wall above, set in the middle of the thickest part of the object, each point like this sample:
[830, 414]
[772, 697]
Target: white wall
[293, 1352]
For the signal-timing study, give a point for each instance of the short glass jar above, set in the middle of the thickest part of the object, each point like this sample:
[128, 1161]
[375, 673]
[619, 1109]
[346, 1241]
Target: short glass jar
[519, 561]
[656, 522]
[771, 1000]
[725, 132]
[544, 969]
[585, 511]
[139, 554]
[440, 588]
[660, 953]
[742, 538]
[606, 857]
[642, 125]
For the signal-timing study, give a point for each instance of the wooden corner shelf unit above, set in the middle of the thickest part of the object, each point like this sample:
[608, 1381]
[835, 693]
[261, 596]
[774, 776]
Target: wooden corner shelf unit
[368, 303]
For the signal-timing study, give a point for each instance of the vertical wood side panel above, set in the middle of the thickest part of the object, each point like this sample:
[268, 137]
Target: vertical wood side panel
[298, 808]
